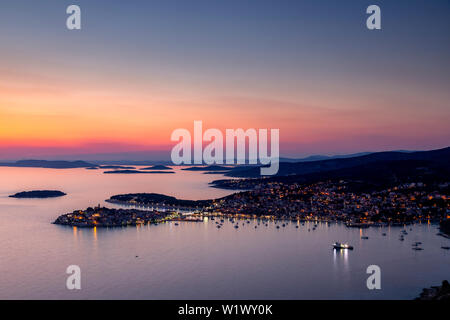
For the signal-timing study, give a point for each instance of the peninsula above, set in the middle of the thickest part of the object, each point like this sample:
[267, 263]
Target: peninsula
[106, 217]
[441, 293]
[156, 199]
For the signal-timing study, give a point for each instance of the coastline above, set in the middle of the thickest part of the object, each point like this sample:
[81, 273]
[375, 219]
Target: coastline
[436, 293]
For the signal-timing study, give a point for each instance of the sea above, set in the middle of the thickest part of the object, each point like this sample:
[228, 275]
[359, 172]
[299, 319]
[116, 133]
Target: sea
[196, 260]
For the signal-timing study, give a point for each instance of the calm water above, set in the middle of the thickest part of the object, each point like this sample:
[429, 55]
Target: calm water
[193, 260]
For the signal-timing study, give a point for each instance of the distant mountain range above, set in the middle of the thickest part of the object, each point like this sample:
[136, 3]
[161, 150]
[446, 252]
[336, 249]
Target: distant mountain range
[60, 164]
[312, 166]
[320, 157]
[376, 171]
[288, 166]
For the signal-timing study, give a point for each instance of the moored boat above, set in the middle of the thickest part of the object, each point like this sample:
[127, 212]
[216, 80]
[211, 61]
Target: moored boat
[340, 246]
[356, 225]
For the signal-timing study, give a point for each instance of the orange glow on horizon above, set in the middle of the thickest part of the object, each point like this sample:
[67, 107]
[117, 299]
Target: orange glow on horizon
[37, 112]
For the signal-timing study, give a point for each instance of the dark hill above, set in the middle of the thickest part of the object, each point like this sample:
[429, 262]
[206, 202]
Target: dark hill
[437, 156]
[376, 175]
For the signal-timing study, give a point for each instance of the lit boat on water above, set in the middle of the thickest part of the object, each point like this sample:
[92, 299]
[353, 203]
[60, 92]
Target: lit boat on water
[339, 246]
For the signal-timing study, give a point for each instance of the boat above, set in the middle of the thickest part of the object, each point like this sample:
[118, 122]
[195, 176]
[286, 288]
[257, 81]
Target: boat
[446, 248]
[384, 234]
[364, 237]
[341, 246]
[236, 226]
[417, 248]
[356, 225]
[378, 224]
[443, 235]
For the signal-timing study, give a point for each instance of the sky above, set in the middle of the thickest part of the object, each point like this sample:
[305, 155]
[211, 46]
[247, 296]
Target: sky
[138, 70]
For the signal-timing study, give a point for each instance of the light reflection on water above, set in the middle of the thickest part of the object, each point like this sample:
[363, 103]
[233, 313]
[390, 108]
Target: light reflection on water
[340, 258]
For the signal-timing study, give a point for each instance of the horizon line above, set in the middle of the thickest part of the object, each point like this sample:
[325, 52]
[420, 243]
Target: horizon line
[79, 157]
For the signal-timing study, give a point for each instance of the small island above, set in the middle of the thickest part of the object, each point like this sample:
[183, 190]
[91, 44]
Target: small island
[157, 167]
[41, 194]
[116, 167]
[209, 168]
[135, 172]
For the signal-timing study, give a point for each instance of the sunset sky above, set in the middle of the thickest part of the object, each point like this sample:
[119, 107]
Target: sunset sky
[140, 69]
